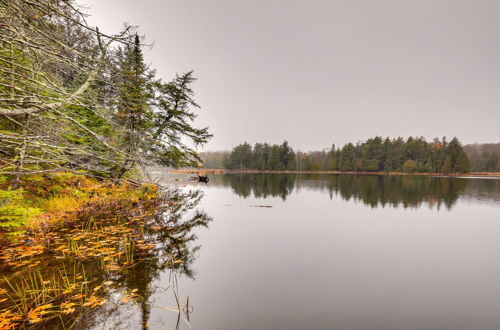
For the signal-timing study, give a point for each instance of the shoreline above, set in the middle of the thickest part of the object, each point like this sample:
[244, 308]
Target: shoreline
[67, 244]
[248, 171]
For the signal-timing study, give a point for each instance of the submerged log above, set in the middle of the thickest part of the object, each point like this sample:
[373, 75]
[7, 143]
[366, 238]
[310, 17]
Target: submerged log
[201, 178]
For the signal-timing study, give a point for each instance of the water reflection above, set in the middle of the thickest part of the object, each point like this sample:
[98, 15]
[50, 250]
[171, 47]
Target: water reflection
[175, 250]
[372, 190]
[258, 185]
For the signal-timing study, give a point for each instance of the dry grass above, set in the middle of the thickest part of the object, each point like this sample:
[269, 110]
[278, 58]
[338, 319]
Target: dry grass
[82, 221]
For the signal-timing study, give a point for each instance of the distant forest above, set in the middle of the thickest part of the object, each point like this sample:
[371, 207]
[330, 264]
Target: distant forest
[377, 154]
[484, 157]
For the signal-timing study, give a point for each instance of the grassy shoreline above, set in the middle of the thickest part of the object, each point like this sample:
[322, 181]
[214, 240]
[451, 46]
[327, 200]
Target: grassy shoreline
[221, 171]
[47, 202]
[58, 261]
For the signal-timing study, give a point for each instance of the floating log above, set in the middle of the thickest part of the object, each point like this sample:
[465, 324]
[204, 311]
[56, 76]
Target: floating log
[200, 178]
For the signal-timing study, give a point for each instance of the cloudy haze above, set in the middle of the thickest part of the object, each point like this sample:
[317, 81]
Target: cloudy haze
[323, 72]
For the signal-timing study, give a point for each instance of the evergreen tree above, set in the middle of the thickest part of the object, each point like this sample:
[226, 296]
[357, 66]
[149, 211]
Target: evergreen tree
[447, 165]
[274, 162]
[133, 106]
[373, 155]
[459, 159]
[347, 155]
[174, 113]
[286, 156]
[428, 166]
[259, 157]
[332, 159]
[462, 163]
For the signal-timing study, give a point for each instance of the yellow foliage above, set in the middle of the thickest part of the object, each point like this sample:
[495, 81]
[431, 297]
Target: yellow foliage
[80, 219]
[8, 320]
[60, 197]
[35, 315]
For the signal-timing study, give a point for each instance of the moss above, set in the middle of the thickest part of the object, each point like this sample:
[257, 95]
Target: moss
[14, 213]
[55, 199]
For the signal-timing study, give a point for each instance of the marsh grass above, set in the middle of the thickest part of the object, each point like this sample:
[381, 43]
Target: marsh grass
[41, 288]
[82, 223]
[34, 299]
[117, 241]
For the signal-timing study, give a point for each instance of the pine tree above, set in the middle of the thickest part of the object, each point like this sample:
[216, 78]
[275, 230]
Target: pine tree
[287, 156]
[174, 114]
[134, 112]
[428, 167]
[457, 154]
[347, 158]
[274, 162]
[462, 163]
[447, 165]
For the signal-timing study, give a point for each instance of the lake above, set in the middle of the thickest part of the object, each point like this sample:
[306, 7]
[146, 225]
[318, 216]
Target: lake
[307, 251]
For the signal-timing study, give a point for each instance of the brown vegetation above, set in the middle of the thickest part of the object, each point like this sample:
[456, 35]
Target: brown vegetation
[79, 220]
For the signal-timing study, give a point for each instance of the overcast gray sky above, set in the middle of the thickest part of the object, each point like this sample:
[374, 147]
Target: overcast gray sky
[323, 72]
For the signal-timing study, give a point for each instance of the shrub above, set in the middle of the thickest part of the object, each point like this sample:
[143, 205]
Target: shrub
[409, 166]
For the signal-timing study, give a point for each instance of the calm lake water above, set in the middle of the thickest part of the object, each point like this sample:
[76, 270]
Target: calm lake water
[287, 251]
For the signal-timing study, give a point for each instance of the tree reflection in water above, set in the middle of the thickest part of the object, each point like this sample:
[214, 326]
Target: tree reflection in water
[372, 190]
[171, 233]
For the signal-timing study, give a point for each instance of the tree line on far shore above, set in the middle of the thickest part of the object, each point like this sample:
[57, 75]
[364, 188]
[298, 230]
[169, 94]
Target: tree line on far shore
[484, 157]
[415, 154]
